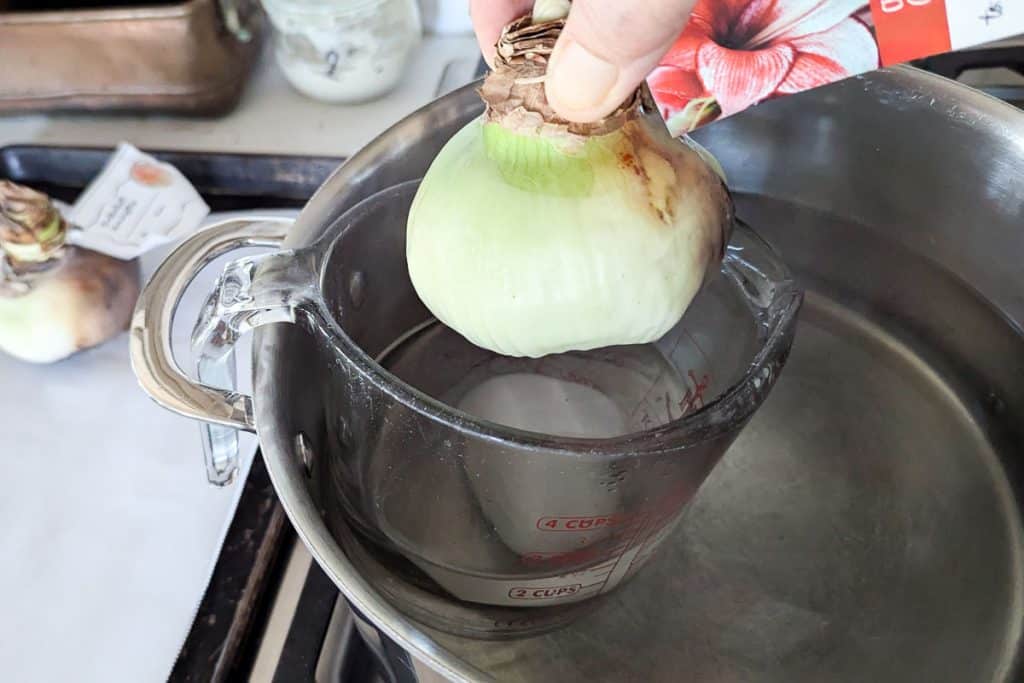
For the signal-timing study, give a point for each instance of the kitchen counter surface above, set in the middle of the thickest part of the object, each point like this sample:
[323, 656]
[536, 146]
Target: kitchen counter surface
[272, 117]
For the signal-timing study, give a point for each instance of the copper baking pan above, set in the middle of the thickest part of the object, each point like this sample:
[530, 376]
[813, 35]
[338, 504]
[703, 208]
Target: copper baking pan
[183, 57]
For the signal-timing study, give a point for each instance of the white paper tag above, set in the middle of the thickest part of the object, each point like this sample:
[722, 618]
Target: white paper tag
[983, 21]
[135, 204]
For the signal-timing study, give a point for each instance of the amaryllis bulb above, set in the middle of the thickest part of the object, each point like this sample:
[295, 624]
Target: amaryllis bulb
[55, 299]
[530, 235]
[83, 301]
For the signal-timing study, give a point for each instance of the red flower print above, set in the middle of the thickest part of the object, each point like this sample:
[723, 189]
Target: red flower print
[736, 53]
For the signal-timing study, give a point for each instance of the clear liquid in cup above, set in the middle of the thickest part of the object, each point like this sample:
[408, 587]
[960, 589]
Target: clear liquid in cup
[506, 493]
[600, 394]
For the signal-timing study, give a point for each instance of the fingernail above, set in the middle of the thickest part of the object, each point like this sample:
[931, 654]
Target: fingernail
[579, 79]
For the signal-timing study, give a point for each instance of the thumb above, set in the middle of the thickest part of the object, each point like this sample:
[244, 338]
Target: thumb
[606, 49]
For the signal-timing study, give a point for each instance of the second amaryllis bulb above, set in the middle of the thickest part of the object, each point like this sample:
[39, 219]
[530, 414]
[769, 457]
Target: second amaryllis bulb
[530, 235]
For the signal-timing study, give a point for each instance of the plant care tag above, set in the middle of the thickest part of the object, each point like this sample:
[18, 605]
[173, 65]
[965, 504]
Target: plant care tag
[734, 54]
[135, 204]
[912, 29]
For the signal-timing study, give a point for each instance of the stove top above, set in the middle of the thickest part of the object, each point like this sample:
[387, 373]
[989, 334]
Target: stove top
[271, 614]
[996, 68]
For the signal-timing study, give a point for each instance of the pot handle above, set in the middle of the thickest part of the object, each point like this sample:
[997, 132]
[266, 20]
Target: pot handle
[252, 291]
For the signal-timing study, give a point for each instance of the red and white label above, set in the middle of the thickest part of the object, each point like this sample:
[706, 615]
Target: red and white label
[913, 29]
[910, 29]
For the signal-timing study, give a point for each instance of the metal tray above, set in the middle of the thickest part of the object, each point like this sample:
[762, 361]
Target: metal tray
[228, 182]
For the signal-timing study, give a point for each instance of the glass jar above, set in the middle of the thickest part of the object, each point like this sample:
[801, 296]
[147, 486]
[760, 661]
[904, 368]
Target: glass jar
[344, 50]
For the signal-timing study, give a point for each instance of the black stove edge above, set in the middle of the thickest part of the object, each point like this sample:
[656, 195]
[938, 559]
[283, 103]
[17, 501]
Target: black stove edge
[307, 632]
[955, 64]
[224, 638]
[325, 641]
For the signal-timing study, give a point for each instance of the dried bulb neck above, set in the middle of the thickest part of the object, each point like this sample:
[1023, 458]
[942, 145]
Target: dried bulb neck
[29, 251]
[32, 230]
[25, 254]
[514, 90]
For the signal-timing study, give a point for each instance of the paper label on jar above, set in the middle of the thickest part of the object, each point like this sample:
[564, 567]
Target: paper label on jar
[135, 204]
[734, 55]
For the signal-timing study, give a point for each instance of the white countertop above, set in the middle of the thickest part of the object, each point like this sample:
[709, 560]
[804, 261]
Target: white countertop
[272, 117]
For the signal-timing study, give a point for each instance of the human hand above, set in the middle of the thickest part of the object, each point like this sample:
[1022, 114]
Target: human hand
[608, 47]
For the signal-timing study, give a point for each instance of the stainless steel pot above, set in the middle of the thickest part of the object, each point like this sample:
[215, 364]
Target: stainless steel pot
[868, 521]
[510, 488]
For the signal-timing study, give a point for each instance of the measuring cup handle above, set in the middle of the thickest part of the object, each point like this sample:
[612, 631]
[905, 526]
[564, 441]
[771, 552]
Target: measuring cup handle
[250, 292]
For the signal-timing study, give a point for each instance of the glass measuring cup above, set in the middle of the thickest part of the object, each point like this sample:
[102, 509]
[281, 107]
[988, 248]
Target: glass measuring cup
[499, 481]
